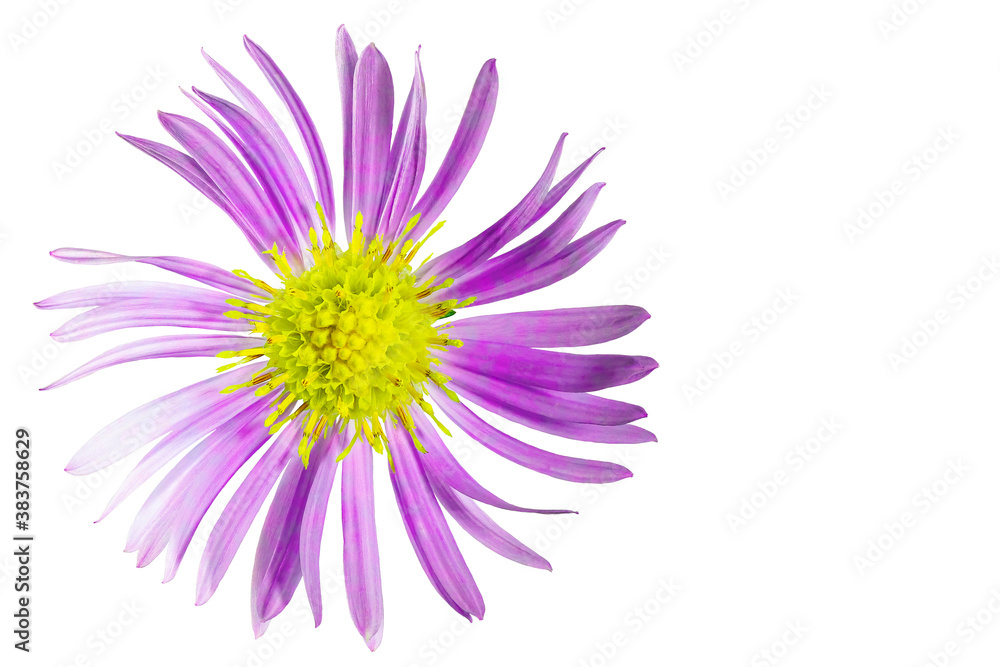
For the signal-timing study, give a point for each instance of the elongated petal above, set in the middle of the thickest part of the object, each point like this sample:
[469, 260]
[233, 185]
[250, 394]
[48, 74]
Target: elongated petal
[372, 135]
[463, 150]
[188, 169]
[478, 524]
[304, 123]
[528, 255]
[215, 411]
[128, 313]
[458, 261]
[567, 468]
[560, 189]
[567, 262]
[362, 576]
[194, 269]
[314, 516]
[160, 347]
[560, 406]
[347, 61]
[439, 461]
[564, 327]
[429, 533]
[235, 520]
[559, 371]
[253, 104]
[228, 172]
[148, 422]
[409, 152]
[617, 434]
[99, 295]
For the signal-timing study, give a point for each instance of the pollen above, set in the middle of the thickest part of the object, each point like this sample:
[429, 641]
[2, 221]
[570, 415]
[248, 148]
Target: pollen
[349, 339]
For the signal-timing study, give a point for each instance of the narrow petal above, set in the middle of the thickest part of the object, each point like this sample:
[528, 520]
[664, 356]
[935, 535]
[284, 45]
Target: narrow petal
[347, 61]
[304, 123]
[148, 422]
[439, 461]
[194, 269]
[458, 261]
[235, 520]
[429, 533]
[617, 434]
[407, 158]
[372, 135]
[560, 189]
[99, 295]
[564, 327]
[128, 313]
[567, 262]
[559, 371]
[362, 576]
[161, 347]
[562, 467]
[560, 406]
[463, 150]
[478, 524]
[314, 516]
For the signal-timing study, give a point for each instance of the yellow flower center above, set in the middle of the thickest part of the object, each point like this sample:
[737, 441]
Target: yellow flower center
[350, 338]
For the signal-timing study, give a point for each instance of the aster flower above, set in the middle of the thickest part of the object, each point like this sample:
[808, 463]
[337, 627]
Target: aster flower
[352, 349]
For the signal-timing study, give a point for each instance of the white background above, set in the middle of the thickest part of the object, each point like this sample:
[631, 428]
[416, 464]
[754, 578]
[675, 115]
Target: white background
[818, 554]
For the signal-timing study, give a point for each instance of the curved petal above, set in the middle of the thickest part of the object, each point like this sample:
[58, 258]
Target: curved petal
[463, 150]
[314, 516]
[560, 406]
[160, 347]
[362, 576]
[194, 269]
[566, 468]
[347, 62]
[429, 533]
[99, 295]
[442, 464]
[478, 524]
[304, 123]
[570, 260]
[564, 327]
[236, 518]
[128, 313]
[559, 371]
[409, 153]
[148, 422]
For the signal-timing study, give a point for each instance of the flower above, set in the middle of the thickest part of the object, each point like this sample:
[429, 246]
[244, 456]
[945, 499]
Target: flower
[351, 349]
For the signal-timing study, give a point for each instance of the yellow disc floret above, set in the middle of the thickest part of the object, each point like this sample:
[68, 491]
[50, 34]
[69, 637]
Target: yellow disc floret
[349, 339]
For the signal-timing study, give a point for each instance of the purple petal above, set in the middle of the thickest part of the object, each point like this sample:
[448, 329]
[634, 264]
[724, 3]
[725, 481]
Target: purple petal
[228, 172]
[128, 313]
[441, 463]
[560, 189]
[160, 347]
[347, 61]
[565, 327]
[235, 520]
[570, 260]
[215, 411]
[148, 422]
[253, 104]
[560, 371]
[617, 434]
[304, 123]
[529, 255]
[478, 524]
[560, 406]
[362, 577]
[567, 468]
[324, 457]
[203, 272]
[372, 134]
[409, 152]
[429, 533]
[480, 248]
[463, 150]
[99, 295]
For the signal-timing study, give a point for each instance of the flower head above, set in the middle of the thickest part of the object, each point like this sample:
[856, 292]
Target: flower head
[351, 349]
